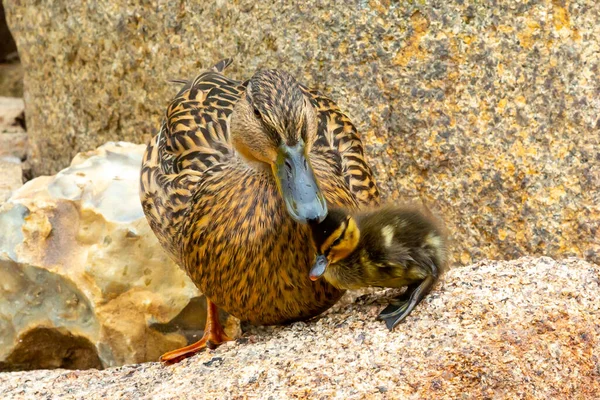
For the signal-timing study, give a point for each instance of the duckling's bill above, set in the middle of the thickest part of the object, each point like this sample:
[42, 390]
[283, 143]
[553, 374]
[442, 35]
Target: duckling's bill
[319, 267]
[296, 180]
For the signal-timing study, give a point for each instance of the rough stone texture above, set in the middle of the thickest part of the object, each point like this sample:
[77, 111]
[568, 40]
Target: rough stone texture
[525, 329]
[11, 178]
[12, 114]
[13, 145]
[83, 281]
[11, 79]
[490, 114]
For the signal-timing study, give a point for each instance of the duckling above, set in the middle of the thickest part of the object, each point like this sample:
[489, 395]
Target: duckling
[386, 247]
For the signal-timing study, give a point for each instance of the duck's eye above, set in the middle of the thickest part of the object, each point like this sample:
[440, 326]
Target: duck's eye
[257, 113]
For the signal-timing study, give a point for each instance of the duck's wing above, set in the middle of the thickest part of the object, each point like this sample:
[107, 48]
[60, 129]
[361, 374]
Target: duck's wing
[193, 141]
[186, 140]
[339, 145]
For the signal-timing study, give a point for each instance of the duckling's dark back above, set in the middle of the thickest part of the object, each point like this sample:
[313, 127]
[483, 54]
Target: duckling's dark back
[402, 235]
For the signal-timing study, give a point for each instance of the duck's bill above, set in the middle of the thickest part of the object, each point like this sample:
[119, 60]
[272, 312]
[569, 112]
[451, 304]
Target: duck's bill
[319, 267]
[298, 185]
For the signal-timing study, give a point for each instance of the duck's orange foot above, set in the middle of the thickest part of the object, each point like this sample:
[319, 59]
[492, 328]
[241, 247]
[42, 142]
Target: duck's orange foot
[213, 337]
[210, 340]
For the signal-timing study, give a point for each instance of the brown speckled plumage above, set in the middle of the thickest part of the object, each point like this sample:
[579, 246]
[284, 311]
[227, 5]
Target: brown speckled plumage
[225, 222]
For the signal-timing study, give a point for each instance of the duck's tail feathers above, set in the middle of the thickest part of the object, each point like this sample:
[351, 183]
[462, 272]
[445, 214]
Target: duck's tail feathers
[177, 81]
[221, 65]
[218, 67]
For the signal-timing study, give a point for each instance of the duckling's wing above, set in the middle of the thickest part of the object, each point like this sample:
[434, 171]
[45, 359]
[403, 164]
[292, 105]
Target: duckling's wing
[193, 141]
[339, 144]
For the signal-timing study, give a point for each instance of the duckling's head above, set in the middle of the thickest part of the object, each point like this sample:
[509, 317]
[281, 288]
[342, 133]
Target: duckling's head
[273, 126]
[335, 238]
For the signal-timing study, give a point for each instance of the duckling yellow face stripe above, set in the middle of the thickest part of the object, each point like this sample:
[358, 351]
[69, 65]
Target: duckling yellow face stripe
[347, 242]
[352, 234]
[335, 235]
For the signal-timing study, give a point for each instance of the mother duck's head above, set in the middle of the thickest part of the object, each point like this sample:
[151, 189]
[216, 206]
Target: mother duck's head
[274, 123]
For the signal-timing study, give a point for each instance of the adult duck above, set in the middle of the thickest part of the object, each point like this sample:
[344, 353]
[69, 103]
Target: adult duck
[230, 182]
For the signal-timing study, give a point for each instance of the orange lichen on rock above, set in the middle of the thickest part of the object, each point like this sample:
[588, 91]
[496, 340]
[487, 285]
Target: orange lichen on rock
[412, 48]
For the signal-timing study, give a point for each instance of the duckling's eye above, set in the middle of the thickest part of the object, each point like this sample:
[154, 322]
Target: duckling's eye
[336, 241]
[257, 113]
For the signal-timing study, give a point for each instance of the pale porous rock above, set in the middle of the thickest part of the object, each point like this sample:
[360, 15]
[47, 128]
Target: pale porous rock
[528, 329]
[490, 114]
[83, 281]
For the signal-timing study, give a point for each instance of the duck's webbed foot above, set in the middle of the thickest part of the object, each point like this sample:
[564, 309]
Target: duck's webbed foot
[213, 337]
[400, 307]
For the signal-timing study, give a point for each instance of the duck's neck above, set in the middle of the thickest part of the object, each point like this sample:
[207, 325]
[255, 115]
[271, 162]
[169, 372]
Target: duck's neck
[253, 164]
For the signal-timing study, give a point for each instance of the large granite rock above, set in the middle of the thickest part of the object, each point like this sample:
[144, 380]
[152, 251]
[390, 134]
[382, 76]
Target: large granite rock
[491, 114]
[83, 281]
[525, 329]
[11, 79]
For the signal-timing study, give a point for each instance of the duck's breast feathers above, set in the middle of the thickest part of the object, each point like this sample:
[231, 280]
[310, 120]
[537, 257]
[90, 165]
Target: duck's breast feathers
[338, 142]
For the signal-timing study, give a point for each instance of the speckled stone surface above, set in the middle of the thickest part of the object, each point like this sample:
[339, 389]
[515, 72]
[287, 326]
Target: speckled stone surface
[13, 146]
[527, 329]
[11, 80]
[489, 114]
